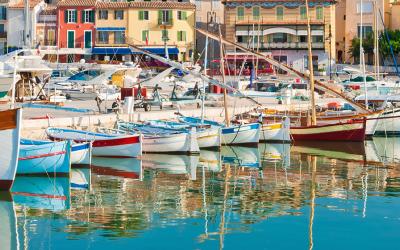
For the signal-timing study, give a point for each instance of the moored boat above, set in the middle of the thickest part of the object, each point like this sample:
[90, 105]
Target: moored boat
[235, 134]
[103, 144]
[163, 140]
[81, 154]
[10, 129]
[44, 157]
[276, 132]
[347, 131]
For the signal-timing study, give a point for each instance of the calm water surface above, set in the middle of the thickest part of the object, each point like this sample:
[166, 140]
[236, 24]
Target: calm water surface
[325, 196]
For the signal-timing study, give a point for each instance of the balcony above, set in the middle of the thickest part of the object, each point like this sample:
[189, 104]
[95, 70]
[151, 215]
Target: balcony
[47, 19]
[164, 22]
[292, 45]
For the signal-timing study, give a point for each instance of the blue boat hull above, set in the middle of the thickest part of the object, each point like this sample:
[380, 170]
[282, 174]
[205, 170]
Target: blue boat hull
[42, 157]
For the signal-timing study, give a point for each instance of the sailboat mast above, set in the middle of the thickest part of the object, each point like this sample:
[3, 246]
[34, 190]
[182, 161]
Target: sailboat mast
[204, 84]
[222, 66]
[362, 59]
[310, 68]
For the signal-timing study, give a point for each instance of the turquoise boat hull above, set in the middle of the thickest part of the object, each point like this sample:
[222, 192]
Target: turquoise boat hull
[44, 157]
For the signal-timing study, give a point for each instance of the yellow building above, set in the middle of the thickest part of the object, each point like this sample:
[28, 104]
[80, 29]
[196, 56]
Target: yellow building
[157, 26]
[395, 16]
[279, 29]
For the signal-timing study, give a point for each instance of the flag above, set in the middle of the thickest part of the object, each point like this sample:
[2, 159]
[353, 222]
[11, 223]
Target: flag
[147, 38]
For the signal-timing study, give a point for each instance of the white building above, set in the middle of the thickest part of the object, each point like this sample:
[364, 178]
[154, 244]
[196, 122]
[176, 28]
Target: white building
[19, 20]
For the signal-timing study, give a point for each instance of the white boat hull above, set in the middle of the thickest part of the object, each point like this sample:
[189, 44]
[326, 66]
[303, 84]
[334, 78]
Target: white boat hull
[10, 129]
[184, 143]
[209, 138]
[390, 125]
[81, 154]
[241, 134]
[278, 132]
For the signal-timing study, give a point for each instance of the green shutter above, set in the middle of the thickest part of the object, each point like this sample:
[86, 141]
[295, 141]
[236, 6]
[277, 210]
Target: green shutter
[184, 36]
[179, 36]
[303, 12]
[92, 16]
[141, 15]
[66, 16]
[160, 16]
[169, 16]
[76, 16]
[83, 16]
[184, 15]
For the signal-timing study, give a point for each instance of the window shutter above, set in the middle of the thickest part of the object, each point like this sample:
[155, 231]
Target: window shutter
[92, 16]
[141, 14]
[143, 35]
[76, 16]
[178, 36]
[184, 15]
[115, 15]
[83, 16]
[66, 16]
[184, 35]
[160, 16]
[169, 15]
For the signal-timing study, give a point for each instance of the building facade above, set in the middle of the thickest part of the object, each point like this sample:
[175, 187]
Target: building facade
[348, 23]
[46, 27]
[3, 26]
[279, 29]
[76, 29]
[158, 26]
[21, 22]
[395, 15]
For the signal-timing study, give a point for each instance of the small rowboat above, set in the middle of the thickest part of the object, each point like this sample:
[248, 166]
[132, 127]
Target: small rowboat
[276, 132]
[118, 145]
[163, 140]
[353, 130]
[235, 134]
[207, 136]
[10, 127]
[44, 157]
[81, 154]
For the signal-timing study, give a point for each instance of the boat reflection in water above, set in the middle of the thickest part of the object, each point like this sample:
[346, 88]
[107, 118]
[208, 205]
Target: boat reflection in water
[172, 164]
[388, 149]
[42, 192]
[80, 178]
[8, 219]
[241, 156]
[210, 160]
[129, 168]
[275, 153]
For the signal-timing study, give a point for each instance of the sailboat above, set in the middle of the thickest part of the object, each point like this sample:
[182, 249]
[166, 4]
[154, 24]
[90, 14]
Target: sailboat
[10, 129]
[353, 130]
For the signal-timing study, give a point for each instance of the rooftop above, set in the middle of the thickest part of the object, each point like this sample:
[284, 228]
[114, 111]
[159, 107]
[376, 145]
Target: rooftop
[21, 4]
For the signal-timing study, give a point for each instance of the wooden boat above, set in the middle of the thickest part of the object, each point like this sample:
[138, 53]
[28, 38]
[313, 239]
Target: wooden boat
[207, 136]
[102, 144]
[10, 129]
[346, 131]
[235, 134]
[163, 140]
[44, 157]
[81, 154]
[276, 132]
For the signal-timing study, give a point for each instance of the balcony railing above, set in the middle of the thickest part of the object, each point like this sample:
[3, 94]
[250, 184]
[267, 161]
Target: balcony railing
[47, 18]
[162, 21]
[291, 45]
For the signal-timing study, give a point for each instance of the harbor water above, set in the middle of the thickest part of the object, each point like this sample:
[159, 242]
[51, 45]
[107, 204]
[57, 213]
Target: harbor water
[274, 196]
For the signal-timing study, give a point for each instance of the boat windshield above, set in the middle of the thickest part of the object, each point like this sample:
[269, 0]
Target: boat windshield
[85, 75]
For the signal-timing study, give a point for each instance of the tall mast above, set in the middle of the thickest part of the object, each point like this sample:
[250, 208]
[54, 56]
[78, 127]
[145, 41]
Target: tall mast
[311, 69]
[204, 84]
[362, 59]
[222, 66]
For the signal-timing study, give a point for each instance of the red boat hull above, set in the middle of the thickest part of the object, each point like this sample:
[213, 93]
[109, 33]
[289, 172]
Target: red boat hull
[350, 131]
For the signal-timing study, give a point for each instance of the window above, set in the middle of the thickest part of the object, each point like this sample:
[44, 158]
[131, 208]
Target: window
[279, 13]
[319, 12]
[280, 38]
[303, 12]
[317, 39]
[119, 15]
[70, 16]
[87, 16]
[256, 13]
[119, 37]
[51, 37]
[181, 36]
[182, 15]
[164, 35]
[1, 28]
[3, 13]
[165, 17]
[367, 29]
[240, 13]
[303, 39]
[143, 15]
[103, 14]
[145, 35]
[102, 37]
[366, 7]
[240, 39]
